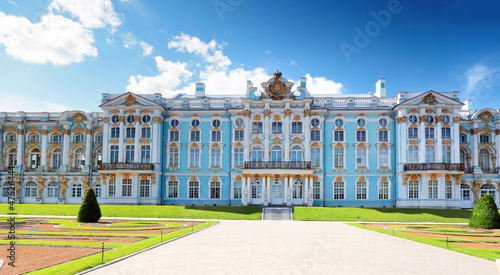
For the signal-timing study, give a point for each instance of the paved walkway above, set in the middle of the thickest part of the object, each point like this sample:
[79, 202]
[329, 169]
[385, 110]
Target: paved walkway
[294, 247]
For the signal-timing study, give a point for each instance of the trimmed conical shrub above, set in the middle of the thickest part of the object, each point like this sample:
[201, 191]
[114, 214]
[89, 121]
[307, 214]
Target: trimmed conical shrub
[89, 210]
[485, 214]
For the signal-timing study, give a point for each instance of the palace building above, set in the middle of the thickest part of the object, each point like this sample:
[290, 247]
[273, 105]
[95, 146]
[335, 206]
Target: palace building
[278, 145]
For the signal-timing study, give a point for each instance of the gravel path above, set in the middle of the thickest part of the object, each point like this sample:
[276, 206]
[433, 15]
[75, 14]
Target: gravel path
[294, 247]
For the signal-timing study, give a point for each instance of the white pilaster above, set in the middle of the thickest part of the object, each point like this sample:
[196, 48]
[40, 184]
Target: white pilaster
[88, 145]
[421, 146]
[475, 159]
[246, 132]
[439, 143]
[266, 136]
[65, 146]
[287, 137]
[43, 161]
[105, 141]
[306, 189]
[456, 143]
[137, 145]
[155, 134]
[307, 138]
[121, 150]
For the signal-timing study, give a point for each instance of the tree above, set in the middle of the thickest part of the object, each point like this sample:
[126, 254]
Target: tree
[485, 214]
[89, 210]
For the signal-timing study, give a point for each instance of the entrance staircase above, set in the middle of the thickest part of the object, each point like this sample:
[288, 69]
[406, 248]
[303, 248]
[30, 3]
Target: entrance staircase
[277, 213]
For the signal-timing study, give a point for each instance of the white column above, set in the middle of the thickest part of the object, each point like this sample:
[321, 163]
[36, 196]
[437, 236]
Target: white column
[249, 189]
[44, 148]
[456, 142]
[105, 140]
[156, 137]
[20, 145]
[266, 135]
[264, 186]
[137, 145]
[306, 189]
[421, 147]
[246, 146]
[442, 187]
[423, 186]
[285, 190]
[136, 186]
[121, 147]
[1, 143]
[439, 143]
[287, 135]
[65, 146]
[88, 146]
[307, 136]
[475, 160]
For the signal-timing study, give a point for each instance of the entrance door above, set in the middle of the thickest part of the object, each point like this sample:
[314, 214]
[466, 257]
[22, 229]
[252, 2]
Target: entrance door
[277, 192]
[465, 194]
[256, 196]
[298, 192]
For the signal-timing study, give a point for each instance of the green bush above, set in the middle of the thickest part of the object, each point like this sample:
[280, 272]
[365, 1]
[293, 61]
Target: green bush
[89, 210]
[485, 214]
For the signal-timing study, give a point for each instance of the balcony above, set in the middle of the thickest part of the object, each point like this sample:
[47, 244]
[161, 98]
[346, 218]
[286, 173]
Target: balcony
[434, 166]
[277, 165]
[126, 166]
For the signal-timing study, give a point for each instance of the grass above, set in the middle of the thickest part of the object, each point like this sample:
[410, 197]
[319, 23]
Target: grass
[146, 211]
[380, 214]
[488, 254]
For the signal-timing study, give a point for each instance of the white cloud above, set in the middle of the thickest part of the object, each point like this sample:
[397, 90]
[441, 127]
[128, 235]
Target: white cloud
[231, 81]
[12, 2]
[267, 52]
[321, 85]
[129, 41]
[293, 63]
[146, 48]
[481, 80]
[210, 51]
[172, 74]
[14, 103]
[91, 13]
[54, 39]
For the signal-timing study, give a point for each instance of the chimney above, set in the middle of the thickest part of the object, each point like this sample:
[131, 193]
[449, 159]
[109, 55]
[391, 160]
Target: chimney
[200, 90]
[303, 81]
[380, 88]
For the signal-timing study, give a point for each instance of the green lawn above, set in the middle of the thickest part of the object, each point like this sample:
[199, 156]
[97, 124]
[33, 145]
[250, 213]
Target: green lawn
[380, 214]
[145, 211]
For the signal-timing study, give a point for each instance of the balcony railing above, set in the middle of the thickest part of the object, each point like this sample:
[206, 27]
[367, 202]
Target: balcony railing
[277, 165]
[434, 166]
[126, 166]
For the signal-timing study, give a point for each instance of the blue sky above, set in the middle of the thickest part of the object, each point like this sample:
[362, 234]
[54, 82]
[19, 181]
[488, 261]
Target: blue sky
[61, 54]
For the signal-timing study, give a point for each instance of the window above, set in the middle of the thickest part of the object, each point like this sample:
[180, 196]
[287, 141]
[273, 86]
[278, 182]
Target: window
[361, 122]
[237, 191]
[413, 154]
[57, 138]
[361, 190]
[447, 154]
[239, 135]
[195, 136]
[298, 189]
[429, 132]
[277, 127]
[76, 191]
[276, 153]
[215, 190]
[446, 132]
[296, 127]
[145, 154]
[338, 190]
[239, 122]
[173, 189]
[113, 154]
[383, 136]
[129, 153]
[174, 123]
[448, 189]
[256, 189]
[215, 157]
[488, 189]
[34, 158]
[429, 153]
[315, 135]
[97, 189]
[339, 122]
[296, 153]
[315, 122]
[146, 119]
[173, 157]
[194, 157]
[30, 190]
[194, 190]
[360, 136]
[338, 135]
[256, 127]
[127, 188]
[383, 157]
[144, 188]
[429, 119]
[463, 156]
[98, 138]
[11, 137]
[115, 119]
[413, 132]
[130, 119]
[98, 157]
[315, 157]
[361, 157]
[383, 190]
[413, 189]
[79, 158]
[216, 136]
[465, 192]
[174, 136]
[130, 132]
[111, 188]
[238, 157]
[463, 138]
[56, 158]
[446, 119]
[115, 132]
[195, 123]
[257, 153]
[8, 189]
[484, 138]
[34, 138]
[316, 190]
[78, 138]
[433, 189]
[12, 157]
[53, 190]
[146, 132]
[382, 122]
[338, 157]
[216, 123]
[484, 159]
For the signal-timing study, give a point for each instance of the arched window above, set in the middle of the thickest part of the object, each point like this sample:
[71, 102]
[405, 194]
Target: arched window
[276, 153]
[315, 157]
[484, 160]
[53, 189]
[12, 157]
[488, 189]
[34, 158]
[98, 190]
[257, 153]
[30, 190]
[79, 158]
[98, 157]
[56, 158]
[256, 189]
[298, 189]
[463, 157]
[296, 153]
